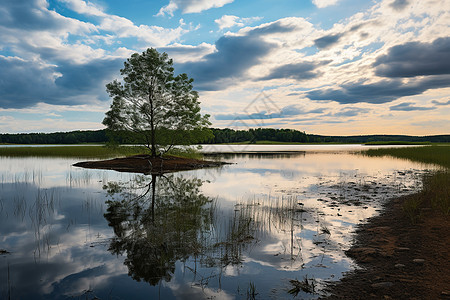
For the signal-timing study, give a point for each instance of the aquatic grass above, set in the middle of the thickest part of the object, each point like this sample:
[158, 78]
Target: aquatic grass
[71, 151]
[411, 207]
[307, 285]
[435, 154]
[436, 186]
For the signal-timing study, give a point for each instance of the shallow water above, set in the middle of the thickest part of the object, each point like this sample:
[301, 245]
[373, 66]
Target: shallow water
[245, 229]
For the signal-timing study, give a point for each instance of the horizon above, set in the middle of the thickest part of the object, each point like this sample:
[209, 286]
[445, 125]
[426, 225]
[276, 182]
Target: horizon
[325, 67]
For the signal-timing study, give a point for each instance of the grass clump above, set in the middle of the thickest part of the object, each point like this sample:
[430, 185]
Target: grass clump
[186, 152]
[71, 151]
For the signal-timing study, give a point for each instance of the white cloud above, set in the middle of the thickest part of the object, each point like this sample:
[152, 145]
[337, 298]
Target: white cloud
[191, 6]
[85, 8]
[324, 3]
[228, 21]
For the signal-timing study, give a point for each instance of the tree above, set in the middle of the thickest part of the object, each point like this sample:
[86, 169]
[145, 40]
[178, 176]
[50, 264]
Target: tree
[160, 108]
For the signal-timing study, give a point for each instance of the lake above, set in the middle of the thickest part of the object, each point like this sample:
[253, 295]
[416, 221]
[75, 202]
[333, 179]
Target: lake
[276, 219]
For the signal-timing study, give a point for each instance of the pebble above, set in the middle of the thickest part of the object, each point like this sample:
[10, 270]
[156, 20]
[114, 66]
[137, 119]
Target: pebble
[419, 261]
[402, 249]
[382, 284]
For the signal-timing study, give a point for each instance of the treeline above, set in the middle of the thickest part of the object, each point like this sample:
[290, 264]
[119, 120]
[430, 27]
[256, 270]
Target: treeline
[72, 137]
[261, 134]
[218, 136]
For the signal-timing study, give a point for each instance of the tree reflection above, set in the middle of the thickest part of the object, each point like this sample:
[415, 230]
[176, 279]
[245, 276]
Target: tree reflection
[157, 221]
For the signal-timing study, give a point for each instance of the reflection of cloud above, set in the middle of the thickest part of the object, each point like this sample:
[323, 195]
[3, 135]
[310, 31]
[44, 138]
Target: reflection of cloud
[188, 291]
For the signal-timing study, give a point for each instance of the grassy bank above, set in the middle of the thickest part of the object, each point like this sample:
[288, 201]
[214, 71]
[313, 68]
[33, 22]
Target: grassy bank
[436, 186]
[90, 151]
[435, 154]
[71, 151]
[397, 143]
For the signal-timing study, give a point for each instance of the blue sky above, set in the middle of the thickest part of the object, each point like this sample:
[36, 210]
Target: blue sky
[339, 67]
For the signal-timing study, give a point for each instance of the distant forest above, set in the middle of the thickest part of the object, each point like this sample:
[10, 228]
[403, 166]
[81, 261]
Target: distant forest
[220, 136]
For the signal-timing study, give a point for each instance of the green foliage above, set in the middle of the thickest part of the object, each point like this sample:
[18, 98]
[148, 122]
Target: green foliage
[154, 104]
[73, 137]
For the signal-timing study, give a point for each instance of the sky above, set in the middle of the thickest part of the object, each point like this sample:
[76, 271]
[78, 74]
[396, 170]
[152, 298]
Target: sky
[332, 67]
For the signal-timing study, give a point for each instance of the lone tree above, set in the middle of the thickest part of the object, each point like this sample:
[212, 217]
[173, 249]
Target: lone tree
[159, 108]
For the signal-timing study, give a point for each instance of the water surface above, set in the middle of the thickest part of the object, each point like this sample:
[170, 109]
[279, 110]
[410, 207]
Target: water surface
[245, 229]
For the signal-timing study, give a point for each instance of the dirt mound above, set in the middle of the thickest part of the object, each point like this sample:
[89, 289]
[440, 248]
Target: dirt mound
[150, 165]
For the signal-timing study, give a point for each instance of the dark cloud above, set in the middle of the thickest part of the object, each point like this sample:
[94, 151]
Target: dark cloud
[379, 92]
[399, 5]
[299, 71]
[435, 102]
[327, 41]
[273, 28]
[415, 59]
[234, 56]
[29, 15]
[350, 112]
[26, 83]
[409, 106]
[287, 111]
[86, 77]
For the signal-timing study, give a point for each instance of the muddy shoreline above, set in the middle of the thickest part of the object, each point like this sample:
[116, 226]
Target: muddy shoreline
[398, 259]
[150, 165]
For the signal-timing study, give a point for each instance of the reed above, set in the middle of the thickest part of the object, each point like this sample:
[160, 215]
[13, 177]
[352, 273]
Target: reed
[435, 154]
[436, 186]
[71, 151]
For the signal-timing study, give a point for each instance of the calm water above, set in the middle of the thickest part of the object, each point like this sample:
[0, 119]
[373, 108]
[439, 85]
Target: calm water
[245, 229]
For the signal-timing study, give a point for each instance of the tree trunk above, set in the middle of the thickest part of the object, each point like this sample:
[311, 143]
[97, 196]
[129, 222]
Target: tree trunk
[152, 124]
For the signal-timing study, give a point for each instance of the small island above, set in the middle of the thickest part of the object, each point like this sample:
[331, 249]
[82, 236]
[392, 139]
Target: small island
[150, 165]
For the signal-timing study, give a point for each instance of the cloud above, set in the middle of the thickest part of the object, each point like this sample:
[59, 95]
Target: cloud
[409, 106]
[327, 41]
[273, 28]
[399, 5]
[298, 71]
[435, 102]
[233, 57]
[324, 3]
[285, 112]
[350, 112]
[415, 59]
[191, 6]
[184, 53]
[228, 21]
[379, 92]
[33, 15]
[29, 82]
